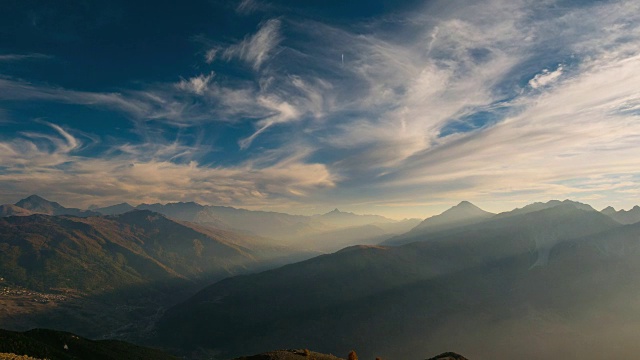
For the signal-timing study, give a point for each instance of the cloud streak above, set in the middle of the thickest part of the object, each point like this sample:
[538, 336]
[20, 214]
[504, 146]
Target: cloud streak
[254, 49]
[21, 57]
[50, 165]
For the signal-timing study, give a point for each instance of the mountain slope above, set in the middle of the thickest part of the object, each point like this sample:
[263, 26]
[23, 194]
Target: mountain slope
[97, 253]
[406, 300]
[111, 275]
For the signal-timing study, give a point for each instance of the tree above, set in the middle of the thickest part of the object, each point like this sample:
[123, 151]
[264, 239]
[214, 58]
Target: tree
[352, 356]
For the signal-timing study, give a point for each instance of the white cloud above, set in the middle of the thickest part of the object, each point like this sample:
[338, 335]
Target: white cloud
[197, 85]
[546, 77]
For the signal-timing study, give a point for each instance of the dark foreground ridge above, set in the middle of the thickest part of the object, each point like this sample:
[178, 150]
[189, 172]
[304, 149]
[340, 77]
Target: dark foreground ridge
[59, 345]
[448, 356]
[300, 354]
[290, 354]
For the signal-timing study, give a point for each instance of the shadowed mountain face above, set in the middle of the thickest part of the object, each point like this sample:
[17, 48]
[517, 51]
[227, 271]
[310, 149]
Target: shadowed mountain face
[551, 274]
[58, 345]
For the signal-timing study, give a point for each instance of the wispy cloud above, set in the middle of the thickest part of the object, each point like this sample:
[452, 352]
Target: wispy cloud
[246, 7]
[21, 90]
[21, 57]
[254, 49]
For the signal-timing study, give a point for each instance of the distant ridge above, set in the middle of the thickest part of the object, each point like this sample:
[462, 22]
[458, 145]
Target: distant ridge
[114, 209]
[37, 204]
[343, 219]
[626, 217]
[537, 206]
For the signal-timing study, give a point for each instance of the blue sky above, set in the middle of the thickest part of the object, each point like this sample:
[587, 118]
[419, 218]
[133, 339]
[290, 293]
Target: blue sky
[396, 108]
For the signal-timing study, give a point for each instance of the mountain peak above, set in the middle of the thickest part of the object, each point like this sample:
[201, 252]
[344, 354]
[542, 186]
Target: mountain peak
[466, 203]
[336, 212]
[463, 213]
[39, 204]
[34, 199]
[465, 206]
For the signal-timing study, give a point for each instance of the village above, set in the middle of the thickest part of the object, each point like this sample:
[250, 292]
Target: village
[35, 296]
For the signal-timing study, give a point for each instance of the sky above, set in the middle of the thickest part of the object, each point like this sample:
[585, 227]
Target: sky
[399, 108]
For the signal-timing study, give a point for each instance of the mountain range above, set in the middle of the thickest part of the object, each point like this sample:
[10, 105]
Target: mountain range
[552, 274]
[554, 279]
[325, 232]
